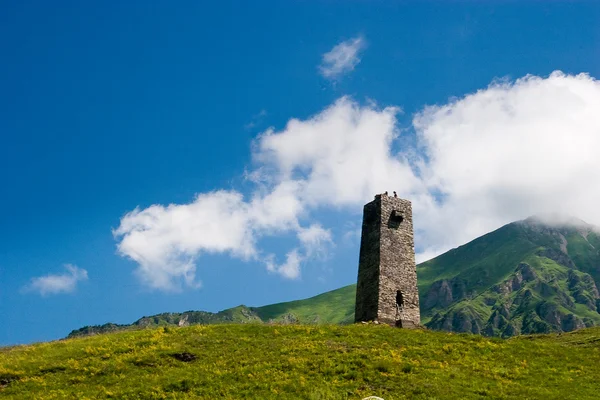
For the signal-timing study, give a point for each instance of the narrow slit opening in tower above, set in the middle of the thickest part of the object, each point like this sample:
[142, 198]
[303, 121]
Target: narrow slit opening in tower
[399, 307]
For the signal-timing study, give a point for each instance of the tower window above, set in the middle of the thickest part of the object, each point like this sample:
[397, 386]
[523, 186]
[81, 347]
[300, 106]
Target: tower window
[397, 216]
[395, 219]
[399, 300]
[399, 308]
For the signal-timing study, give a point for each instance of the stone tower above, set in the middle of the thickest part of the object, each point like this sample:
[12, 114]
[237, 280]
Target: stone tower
[387, 274]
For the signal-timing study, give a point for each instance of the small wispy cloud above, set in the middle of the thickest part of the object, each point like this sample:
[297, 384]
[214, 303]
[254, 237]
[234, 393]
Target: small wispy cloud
[256, 120]
[290, 269]
[315, 240]
[343, 58]
[57, 283]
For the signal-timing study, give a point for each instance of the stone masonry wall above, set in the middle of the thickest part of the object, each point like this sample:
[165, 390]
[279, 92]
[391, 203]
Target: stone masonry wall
[387, 264]
[367, 285]
[398, 270]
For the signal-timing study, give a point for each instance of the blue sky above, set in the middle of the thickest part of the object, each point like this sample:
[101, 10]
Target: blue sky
[108, 107]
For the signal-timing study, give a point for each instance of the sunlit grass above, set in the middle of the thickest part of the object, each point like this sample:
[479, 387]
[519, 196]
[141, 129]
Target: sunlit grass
[305, 362]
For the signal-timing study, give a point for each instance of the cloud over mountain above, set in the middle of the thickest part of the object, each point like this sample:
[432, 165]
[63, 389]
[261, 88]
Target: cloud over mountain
[509, 151]
[494, 156]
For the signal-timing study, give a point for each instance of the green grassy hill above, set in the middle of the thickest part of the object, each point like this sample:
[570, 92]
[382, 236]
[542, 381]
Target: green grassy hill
[526, 277]
[334, 307]
[232, 361]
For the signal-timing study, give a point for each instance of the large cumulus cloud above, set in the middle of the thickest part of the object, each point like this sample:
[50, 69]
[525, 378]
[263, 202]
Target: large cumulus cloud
[505, 152]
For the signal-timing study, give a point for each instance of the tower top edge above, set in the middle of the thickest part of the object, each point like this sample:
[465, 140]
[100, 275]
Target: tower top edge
[391, 199]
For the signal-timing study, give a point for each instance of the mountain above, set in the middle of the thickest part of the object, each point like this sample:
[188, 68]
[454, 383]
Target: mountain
[334, 307]
[538, 275]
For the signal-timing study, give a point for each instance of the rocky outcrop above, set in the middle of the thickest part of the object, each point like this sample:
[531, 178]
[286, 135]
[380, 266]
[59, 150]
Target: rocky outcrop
[523, 273]
[549, 313]
[97, 330]
[183, 321]
[532, 323]
[523, 301]
[286, 319]
[439, 295]
[509, 331]
[444, 292]
[496, 322]
[571, 322]
[458, 320]
[559, 257]
[583, 289]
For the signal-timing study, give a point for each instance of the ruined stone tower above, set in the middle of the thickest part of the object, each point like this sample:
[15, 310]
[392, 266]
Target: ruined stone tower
[387, 274]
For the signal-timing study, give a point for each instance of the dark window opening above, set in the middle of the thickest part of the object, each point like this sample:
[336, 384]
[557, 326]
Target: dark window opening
[396, 219]
[399, 307]
[397, 216]
[399, 299]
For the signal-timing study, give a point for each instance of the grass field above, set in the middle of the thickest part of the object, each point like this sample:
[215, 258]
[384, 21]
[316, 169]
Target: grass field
[303, 362]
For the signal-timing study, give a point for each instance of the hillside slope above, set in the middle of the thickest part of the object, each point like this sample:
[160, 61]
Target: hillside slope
[303, 362]
[334, 307]
[525, 277]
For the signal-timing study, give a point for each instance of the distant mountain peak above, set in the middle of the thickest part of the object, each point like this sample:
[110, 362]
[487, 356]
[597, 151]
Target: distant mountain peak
[557, 220]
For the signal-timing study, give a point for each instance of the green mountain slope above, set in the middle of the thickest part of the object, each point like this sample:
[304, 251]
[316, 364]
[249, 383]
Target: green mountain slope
[303, 362]
[334, 307]
[525, 277]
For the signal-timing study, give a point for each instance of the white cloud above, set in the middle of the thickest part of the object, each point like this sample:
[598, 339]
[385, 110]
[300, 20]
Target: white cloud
[315, 240]
[58, 283]
[509, 151]
[503, 153]
[337, 158]
[165, 241]
[342, 58]
[340, 157]
[290, 269]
